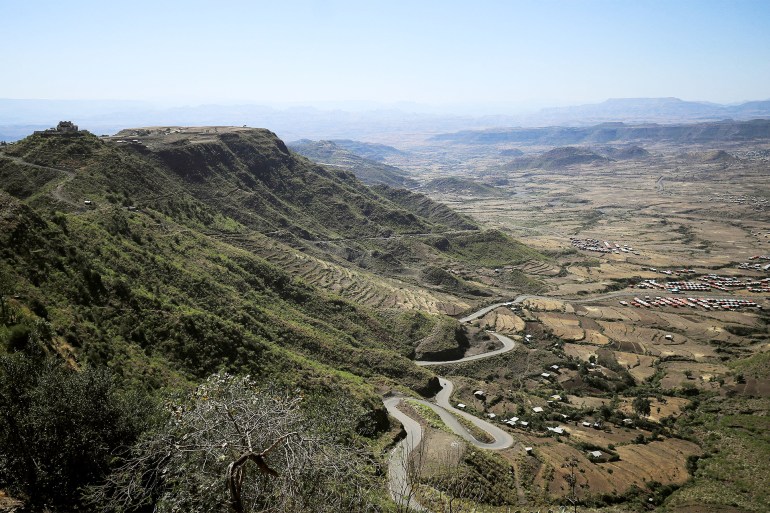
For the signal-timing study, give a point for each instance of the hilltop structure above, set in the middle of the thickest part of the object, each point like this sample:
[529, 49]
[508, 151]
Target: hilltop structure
[64, 127]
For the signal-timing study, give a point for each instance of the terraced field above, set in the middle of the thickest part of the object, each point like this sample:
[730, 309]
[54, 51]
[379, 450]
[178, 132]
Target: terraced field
[352, 283]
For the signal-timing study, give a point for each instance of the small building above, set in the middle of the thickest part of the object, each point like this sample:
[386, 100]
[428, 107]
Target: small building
[461, 406]
[479, 394]
[491, 415]
[546, 375]
[556, 397]
[538, 409]
[528, 450]
[595, 455]
[66, 126]
[63, 128]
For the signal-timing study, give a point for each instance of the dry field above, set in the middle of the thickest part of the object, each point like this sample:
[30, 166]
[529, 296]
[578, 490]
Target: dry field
[708, 217]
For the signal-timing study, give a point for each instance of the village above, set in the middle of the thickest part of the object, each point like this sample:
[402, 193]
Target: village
[706, 303]
[756, 202]
[707, 283]
[559, 417]
[756, 266]
[598, 246]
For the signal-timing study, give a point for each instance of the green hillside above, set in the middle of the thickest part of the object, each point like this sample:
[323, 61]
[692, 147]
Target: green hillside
[164, 256]
[131, 245]
[368, 171]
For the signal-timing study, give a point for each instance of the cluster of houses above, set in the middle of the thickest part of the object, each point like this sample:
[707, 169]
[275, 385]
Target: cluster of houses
[758, 202]
[756, 266]
[674, 286]
[707, 303]
[599, 246]
[762, 155]
[669, 272]
[553, 430]
[732, 283]
[709, 282]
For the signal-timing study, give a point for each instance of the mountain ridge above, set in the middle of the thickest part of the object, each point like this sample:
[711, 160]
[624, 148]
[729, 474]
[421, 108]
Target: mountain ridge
[616, 132]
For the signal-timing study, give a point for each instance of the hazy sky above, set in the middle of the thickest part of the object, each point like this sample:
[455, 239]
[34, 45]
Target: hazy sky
[436, 52]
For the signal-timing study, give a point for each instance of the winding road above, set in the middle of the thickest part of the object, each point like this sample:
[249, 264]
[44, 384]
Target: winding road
[508, 344]
[398, 476]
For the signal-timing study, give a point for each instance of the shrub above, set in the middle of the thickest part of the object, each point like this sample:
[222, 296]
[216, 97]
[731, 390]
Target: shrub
[59, 428]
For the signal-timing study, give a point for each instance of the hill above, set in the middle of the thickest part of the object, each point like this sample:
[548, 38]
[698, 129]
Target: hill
[631, 152]
[711, 157]
[559, 158]
[424, 207]
[203, 246]
[168, 254]
[461, 186]
[372, 151]
[368, 171]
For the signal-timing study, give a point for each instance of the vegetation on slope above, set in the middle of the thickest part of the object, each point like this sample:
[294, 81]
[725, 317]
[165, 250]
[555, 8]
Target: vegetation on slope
[490, 248]
[368, 171]
[121, 256]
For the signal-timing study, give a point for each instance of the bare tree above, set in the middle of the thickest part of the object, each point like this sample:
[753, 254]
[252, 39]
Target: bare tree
[453, 481]
[232, 447]
[404, 475]
[571, 478]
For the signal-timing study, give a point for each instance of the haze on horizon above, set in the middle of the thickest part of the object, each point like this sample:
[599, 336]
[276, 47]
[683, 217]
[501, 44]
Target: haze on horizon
[509, 55]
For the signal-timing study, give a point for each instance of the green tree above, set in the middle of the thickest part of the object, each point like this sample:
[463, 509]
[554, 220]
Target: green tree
[59, 428]
[641, 405]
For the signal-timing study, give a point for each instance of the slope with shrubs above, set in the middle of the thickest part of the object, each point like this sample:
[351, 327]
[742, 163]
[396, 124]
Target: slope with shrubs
[124, 258]
[368, 171]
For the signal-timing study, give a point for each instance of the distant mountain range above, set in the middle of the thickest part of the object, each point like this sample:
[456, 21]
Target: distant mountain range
[647, 110]
[605, 133]
[20, 117]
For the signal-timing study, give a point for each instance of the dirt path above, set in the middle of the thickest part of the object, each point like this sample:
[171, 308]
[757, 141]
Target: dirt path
[58, 192]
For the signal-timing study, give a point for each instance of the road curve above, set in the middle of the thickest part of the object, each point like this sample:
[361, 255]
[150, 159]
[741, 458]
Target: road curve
[445, 410]
[398, 478]
[508, 345]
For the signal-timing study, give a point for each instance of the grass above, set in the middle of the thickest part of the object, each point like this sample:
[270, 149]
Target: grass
[488, 249]
[475, 431]
[734, 470]
[430, 416]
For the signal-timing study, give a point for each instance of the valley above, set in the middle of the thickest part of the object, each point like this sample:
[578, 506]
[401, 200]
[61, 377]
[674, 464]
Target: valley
[611, 325]
[531, 308]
